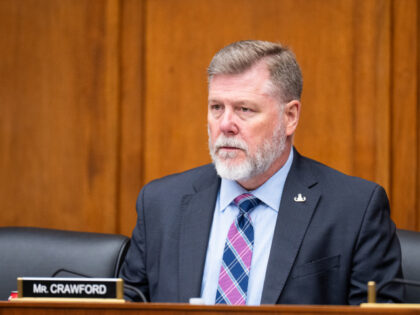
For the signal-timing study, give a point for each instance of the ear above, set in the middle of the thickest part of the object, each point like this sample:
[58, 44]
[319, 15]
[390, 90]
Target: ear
[291, 115]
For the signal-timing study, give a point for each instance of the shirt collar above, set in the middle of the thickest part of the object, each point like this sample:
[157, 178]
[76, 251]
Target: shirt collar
[267, 192]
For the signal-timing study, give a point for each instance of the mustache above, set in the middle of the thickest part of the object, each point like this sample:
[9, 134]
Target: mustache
[223, 141]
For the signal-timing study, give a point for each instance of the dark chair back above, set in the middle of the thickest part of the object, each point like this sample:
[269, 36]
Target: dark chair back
[37, 252]
[410, 251]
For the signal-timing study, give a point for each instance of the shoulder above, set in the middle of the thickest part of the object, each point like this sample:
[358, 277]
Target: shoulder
[183, 183]
[333, 180]
[192, 176]
[161, 200]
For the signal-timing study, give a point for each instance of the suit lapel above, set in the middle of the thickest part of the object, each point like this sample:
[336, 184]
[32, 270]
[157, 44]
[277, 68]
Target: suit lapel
[292, 222]
[198, 210]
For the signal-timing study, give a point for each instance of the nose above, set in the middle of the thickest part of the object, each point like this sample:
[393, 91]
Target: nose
[227, 123]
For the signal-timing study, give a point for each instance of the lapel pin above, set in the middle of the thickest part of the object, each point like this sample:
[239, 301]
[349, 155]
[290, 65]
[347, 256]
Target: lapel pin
[300, 198]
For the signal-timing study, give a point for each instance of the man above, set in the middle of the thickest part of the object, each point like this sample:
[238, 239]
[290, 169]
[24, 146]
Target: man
[262, 225]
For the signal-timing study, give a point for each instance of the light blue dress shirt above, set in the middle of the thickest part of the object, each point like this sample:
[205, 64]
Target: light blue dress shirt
[263, 219]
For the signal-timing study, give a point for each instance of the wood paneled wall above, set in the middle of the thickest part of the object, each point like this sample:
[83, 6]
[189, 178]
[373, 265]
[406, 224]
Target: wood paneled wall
[59, 113]
[98, 97]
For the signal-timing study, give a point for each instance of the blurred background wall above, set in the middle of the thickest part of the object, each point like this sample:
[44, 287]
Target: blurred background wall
[98, 97]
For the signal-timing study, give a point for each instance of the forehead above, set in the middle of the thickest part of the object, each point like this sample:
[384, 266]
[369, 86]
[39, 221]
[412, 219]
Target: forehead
[253, 82]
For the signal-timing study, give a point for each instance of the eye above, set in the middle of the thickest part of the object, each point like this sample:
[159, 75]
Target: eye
[216, 107]
[246, 110]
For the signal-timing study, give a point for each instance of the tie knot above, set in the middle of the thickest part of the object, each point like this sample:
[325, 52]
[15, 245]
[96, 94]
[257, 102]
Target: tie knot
[246, 202]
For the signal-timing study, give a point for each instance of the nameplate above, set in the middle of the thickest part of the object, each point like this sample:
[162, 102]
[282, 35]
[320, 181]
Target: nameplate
[78, 288]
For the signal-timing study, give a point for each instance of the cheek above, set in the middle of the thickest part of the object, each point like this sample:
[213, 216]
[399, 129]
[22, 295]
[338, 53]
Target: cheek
[212, 131]
[256, 136]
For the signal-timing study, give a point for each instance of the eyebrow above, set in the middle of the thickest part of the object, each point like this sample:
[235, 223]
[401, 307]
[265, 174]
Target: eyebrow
[235, 103]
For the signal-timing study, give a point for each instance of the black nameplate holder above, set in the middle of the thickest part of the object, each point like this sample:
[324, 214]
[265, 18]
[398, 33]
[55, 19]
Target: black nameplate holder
[69, 289]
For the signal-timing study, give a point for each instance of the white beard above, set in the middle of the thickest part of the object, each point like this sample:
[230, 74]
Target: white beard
[253, 165]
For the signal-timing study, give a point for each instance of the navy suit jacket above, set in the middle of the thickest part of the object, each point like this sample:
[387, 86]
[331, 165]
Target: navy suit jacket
[324, 250]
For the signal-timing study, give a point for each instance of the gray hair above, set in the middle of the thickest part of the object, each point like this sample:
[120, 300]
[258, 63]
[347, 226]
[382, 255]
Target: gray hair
[240, 56]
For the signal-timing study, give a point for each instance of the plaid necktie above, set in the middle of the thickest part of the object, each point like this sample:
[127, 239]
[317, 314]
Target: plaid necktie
[237, 255]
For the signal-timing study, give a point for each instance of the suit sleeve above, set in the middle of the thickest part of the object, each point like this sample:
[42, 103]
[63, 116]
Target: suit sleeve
[377, 254]
[133, 271]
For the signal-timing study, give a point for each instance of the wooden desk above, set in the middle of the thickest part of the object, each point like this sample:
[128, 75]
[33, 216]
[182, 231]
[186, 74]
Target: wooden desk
[38, 308]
